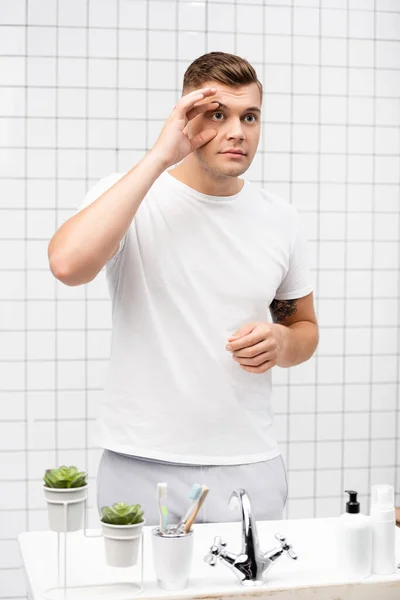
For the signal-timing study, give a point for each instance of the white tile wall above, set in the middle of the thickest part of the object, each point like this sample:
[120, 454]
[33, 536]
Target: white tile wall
[85, 88]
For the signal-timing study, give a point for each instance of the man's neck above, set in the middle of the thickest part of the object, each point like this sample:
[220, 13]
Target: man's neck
[200, 181]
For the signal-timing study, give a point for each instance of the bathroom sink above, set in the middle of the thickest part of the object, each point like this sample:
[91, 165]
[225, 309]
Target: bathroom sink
[313, 575]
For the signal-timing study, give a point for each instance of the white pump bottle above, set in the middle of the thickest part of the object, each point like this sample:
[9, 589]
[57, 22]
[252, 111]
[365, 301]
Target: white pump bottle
[354, 541]
[383, 522]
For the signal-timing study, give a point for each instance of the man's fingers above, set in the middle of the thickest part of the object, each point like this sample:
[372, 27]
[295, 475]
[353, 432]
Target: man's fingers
[202, 138]
[251, 351]
[247, 340]
[245, 330]
[189, 100]
[261, 369]
[256, 361]
[196, 110]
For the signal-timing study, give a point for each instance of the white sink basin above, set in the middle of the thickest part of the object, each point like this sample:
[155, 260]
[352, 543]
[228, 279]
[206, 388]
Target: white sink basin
[313, 575]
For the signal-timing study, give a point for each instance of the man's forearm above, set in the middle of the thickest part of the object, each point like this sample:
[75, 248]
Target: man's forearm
[299, 342]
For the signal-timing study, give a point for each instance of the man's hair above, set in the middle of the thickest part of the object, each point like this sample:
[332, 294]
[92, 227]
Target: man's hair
[220, 66]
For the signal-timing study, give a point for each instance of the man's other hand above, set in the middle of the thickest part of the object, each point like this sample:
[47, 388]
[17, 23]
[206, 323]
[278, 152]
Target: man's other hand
[256, 346]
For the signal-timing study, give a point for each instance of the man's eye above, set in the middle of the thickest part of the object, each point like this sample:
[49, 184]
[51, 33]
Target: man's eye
[220, 113]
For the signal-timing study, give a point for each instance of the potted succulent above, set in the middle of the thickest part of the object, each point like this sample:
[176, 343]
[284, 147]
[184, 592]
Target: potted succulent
[65, 490]
[122, 525]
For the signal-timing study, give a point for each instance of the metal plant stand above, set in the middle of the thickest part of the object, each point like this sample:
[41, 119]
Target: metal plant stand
[63, 591]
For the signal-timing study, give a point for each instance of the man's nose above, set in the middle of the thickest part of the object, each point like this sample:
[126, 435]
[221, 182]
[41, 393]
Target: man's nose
[236, 131]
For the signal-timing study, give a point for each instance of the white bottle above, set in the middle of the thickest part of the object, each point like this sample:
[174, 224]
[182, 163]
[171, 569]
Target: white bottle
[383, 522]
[354, 541]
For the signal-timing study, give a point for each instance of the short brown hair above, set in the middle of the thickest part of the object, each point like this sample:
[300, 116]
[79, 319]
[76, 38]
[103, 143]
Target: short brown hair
[220, 66]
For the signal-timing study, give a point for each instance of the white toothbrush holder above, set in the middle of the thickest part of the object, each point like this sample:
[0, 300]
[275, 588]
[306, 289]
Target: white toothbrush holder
[172, 558]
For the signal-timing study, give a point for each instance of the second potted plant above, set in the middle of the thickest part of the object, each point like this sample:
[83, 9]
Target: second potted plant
[122, 525]
[65, 490]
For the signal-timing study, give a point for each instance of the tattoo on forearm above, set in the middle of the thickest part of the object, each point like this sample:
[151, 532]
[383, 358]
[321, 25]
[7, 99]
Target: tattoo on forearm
[282, 309]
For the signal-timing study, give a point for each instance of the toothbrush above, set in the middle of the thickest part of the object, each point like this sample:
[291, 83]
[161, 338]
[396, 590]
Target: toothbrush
[163, 510]
[194, 496]
[199, 504]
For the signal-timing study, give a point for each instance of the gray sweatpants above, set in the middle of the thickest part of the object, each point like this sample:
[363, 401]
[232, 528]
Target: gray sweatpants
[133, 480]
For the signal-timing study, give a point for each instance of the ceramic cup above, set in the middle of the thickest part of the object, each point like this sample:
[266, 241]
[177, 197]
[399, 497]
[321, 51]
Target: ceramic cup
[172, 558]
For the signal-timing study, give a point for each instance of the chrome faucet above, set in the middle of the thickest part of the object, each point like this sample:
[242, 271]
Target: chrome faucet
[250, 565]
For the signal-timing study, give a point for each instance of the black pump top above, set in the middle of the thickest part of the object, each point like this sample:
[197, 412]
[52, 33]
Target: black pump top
[352, 506]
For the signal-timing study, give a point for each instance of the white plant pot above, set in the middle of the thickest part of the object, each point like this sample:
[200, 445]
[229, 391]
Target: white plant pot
[122, 543]
[65, 507]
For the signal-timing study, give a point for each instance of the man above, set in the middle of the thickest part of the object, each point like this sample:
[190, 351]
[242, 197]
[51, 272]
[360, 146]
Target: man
[195, 256]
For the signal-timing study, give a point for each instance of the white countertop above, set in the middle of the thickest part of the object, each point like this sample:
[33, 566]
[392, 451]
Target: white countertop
[313, 575]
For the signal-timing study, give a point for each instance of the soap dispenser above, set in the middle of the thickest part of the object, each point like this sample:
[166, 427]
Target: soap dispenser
[383, 523]
[354, 541]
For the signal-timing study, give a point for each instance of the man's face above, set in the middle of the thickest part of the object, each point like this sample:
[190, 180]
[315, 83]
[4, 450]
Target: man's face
[238, 125]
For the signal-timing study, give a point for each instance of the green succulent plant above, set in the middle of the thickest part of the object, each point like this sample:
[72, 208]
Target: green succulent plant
[122, 514]
[65, 477]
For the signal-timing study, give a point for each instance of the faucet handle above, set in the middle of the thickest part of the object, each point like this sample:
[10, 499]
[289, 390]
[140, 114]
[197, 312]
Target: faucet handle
[285, 546]
[215, 551]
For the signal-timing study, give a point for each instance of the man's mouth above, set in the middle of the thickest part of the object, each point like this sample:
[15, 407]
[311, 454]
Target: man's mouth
[235, 152]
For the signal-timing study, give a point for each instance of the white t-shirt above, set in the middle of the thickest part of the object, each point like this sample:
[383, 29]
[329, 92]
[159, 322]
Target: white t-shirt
[190, 271]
